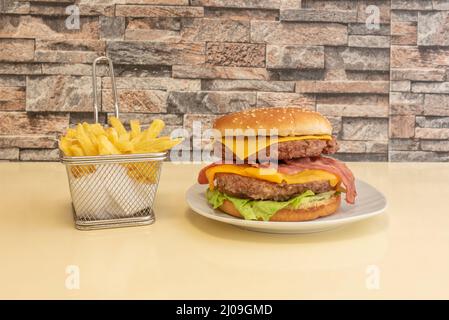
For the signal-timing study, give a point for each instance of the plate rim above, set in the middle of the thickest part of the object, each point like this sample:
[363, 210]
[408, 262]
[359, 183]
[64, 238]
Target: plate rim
[284, 224]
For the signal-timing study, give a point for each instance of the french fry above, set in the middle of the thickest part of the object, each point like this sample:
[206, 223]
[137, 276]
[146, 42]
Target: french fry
[97, 129]
[106, 147]
[117, 125]
[135, 128]
[157, 145]
[76, 150]
[71, 133]
[124, 144]
[64, 145]
[112, 135]
[85, 142]
[154, 129]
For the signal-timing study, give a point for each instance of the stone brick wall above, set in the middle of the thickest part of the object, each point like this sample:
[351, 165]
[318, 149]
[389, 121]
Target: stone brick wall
[187, 60]
[419, 98]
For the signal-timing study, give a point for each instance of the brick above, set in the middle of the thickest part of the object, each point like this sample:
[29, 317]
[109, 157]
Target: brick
[440, 4]
[403, 103]
[158, 11]
[363, 14]
[379, 100]
[59, 93]
[295, 57]
[439, 146]
[235, 54]
[362, 157]
[412, 57]
[12, 81]
[411, 4]
[418, 74]
[217, 72]
[369, 41]
[154, 53]
[330, 4]
[75, 69]
[12, 105]
[347, 146]
[433, 122]
[402, 126]
[342, 86]
[361, 75]
[112, 28]
[343, 16]
[403, 16]
[282, 99]
[39, 155]
[16, 50]
[331, 34]
[9, 154]
[361, 29]
[433, 28]
[69, 51]
[353, 110]
[291, 4]
[404, 144]
[210, 102]
[28, 141]
[222, 30]
[369, 59]
[154, 29]
[265, 4]
[46, 8]
[404, 33]
[336, 123]
[152, 83]
[15, 7]
[241, 14]
[131, 100]
[400, 86]
[21, 123]
[418, 156]
[12, 93]
[430, 87]
[436, 105]
[22, 68]
[248, 85]
[365, 129]
[432, 133]
[42, 27]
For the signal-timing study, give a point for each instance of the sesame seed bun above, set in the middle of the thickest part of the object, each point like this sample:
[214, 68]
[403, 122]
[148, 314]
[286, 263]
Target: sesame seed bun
[289, 121]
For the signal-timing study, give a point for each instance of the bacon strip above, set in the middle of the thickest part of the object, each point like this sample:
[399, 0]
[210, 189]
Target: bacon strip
[328, 164]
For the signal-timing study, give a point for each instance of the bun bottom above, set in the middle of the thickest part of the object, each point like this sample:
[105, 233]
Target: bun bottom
[292, 215]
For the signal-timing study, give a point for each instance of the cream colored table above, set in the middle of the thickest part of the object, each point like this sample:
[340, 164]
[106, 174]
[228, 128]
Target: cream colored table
[401, 254]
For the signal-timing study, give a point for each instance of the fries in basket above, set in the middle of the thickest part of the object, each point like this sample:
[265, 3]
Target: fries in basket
[95, 140]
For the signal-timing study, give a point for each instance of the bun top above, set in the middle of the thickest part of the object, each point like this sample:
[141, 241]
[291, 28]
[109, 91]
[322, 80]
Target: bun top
[289, 121]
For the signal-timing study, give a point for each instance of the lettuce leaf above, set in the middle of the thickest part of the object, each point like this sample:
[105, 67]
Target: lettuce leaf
[264, 209]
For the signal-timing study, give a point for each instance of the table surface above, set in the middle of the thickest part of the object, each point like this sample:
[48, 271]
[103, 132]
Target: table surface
[403, 253]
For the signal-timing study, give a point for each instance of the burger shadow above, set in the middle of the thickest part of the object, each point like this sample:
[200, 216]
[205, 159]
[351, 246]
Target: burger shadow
[377, 226]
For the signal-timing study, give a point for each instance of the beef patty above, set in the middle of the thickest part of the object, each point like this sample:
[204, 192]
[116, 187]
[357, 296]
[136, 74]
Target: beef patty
[293, 149]
[246, 187]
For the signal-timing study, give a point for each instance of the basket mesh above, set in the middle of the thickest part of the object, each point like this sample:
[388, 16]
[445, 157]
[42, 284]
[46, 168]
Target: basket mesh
[113, 190]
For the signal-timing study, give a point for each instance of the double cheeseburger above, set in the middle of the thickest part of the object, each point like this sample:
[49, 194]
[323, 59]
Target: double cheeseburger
[303, 185]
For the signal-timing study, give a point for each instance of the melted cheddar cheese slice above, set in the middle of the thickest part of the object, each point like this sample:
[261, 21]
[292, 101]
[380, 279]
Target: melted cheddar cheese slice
[271, 174]
[246, 146]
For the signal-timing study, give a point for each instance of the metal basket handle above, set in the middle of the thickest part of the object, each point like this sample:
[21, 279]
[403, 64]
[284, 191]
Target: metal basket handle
[94, 84]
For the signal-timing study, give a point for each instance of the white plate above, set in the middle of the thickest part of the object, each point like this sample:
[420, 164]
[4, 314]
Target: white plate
[369, 203]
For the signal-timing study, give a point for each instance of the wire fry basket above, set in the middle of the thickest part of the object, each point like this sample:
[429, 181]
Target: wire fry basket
[114, 190]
